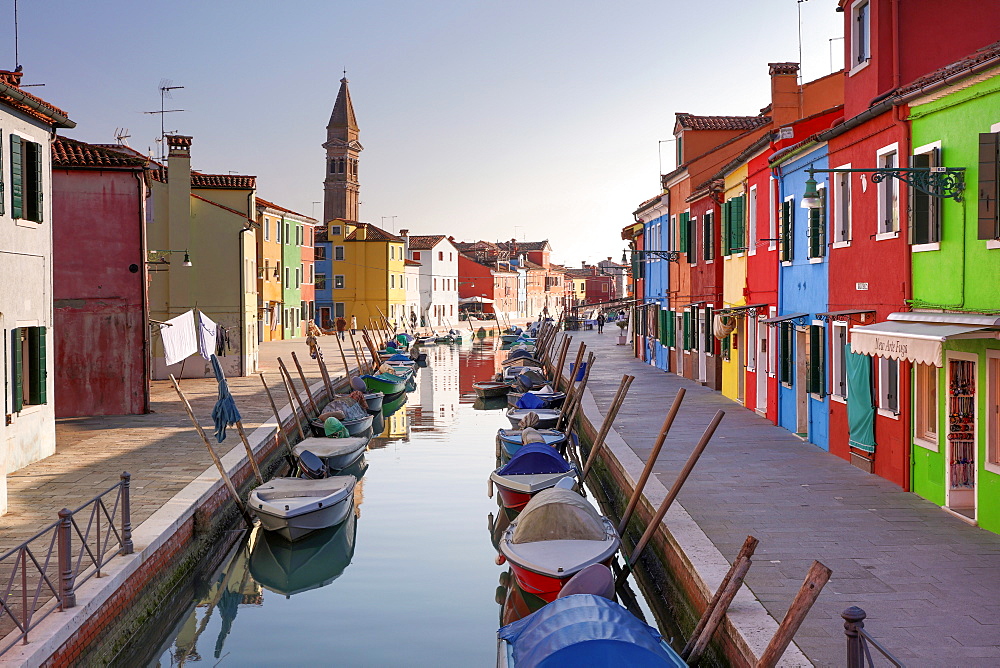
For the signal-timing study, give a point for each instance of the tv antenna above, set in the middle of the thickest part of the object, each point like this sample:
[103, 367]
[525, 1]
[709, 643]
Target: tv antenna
[121, 135]
[166, 85]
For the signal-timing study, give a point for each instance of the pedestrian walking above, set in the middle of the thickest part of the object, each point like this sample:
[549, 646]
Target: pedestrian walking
[600, 323]
[354, 324]
[341, 327]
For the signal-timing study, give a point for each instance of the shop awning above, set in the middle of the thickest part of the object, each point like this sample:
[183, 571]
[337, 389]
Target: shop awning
[781, 318]
[919, 342]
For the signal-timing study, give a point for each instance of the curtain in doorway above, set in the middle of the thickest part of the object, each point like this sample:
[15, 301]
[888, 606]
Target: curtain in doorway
[860, 409]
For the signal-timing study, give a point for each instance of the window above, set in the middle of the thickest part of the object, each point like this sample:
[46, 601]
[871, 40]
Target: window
[838, 359]
[860, 38]
[298, 276]
[450, 257]
[732, 226]
[319, 253]
[335, 230]
[925, 210]
[416, 255]
[392, 280]
[751, 343]
[786, 234]
[772, 213]
[320, 281]
[842, 210]
[392, 252]
[989, 191]
[925, 408]
[312, 273]
[25, 179]
[708, 237]
[267, 229]
[787, 352]
[28, 367]
[338, 282]
[817, 227]
[679, 143]
[888, 385]
[816, 377]
[435, 284]
[440, 255]
[888, 193]
[752, 221]
[684, 228]
[288, 233]
[338, 309]
[288, 282]
[338, 253]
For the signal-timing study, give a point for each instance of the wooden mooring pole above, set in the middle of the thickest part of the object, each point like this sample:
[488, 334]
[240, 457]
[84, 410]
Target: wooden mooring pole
[816, 579]
[305, 384]
[291, 404]
[609, 418]
[277, 418]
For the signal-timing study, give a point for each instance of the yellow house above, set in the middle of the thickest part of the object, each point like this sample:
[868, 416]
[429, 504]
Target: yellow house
[209, 220]
[368, 267]
[269, 295]
[734, 277]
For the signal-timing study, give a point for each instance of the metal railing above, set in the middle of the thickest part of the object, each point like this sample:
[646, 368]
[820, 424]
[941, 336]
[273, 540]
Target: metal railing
[40, 576]
[858, 640]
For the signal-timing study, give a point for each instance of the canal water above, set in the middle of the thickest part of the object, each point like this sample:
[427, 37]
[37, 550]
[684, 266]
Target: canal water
[410, 579]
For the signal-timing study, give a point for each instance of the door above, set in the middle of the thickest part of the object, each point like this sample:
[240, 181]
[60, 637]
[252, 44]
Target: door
[741, 361]
[762, 368]
[801, 395]
[961, 438]
[704, 331]
[679, 343]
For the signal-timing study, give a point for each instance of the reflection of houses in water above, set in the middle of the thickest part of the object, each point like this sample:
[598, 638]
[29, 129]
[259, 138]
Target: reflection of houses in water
[480, 364]
[438, 389]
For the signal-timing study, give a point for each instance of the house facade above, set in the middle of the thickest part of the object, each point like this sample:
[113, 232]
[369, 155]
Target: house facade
[368, 280]
[438, 278]
[269, 271]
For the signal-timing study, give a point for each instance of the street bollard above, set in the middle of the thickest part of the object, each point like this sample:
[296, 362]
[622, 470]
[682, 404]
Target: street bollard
[126, 513]
[65, 558]
[853, 623]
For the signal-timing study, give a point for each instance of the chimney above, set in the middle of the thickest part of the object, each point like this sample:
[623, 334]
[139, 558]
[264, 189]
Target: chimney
[178, 237]
[786, 95]
[406, 243]
[361, 233]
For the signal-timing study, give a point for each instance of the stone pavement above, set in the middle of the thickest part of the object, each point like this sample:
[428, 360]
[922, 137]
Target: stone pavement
[927, 580]
[161, 450]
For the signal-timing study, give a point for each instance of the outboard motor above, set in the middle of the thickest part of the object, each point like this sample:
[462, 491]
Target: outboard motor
[311, 466]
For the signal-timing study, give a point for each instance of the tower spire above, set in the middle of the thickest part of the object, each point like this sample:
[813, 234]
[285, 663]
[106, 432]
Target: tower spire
[341, 186]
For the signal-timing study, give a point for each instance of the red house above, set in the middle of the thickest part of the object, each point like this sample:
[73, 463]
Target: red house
[99, 280]
[492, 282]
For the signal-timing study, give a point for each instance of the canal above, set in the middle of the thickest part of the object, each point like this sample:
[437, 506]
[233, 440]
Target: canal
[409, 579]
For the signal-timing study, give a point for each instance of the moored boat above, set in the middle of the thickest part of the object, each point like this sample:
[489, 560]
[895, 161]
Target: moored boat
[488, 389]
[547, 417]
[386, 383]
[336, 453]
[534, 467]
[543, 399]
[509, 441]
[295, 507]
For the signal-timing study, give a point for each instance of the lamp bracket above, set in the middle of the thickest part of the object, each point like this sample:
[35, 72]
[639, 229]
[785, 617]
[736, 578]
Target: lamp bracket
[943, 182]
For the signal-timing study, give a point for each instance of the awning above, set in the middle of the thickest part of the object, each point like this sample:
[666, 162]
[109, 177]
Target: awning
[475, 300]
[980, 319]
[782, 318]
[913, 341]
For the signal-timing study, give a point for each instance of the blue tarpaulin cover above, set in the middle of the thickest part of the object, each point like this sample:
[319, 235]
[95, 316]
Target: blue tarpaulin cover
[530, 400]
[518, 354]
[535, 458]
[225, 412]
[398, 357]
[586, 630]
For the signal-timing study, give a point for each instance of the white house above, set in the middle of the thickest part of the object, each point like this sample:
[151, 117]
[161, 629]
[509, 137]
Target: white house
[438, 260]
[411, 309]
[27, 124]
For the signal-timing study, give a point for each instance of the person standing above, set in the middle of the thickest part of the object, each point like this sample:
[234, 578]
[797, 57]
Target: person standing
[341, 327]
[354, 324]
[600, 323]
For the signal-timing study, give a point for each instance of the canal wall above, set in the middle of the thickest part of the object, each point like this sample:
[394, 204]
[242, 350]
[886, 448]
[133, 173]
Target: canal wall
[684, 568]
[193, 527]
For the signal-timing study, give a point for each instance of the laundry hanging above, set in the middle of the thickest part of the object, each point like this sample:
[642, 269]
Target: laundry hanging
[207, 331]
[225, 412]
[179, 338]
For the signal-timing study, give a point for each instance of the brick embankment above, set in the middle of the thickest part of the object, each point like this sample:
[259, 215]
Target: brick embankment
[924, 577]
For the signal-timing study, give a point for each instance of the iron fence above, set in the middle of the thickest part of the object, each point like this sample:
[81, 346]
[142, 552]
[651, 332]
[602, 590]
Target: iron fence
[859, 654]
[40, 576]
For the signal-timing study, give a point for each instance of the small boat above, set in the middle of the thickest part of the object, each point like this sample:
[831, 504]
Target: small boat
[488, 389]
[509, 441]
[427, 340]
[534, 467]
[386, 383]
[313, 562]
[527, 361]
[372, 399]
[583, 630]
[557, 534]
[489, 403]
[355, 427]
[295, 507]
[336, 453]
[393, 404]
[550, 399]
[547, 417]
[509, 338]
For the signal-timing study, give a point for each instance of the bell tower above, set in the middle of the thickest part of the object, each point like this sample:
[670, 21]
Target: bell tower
[341, 186]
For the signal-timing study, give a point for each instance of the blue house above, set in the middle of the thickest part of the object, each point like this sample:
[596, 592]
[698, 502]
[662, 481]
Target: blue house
[659, 327]
[803, 298]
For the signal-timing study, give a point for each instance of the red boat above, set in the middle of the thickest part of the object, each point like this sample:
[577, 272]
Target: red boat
[558, 534]
[534, 467]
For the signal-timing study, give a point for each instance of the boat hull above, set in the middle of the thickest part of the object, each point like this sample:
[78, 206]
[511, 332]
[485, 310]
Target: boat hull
[374, 401]
[359, 426]
[272, 506]
[547, 418]
[384, 385]
[490, 390]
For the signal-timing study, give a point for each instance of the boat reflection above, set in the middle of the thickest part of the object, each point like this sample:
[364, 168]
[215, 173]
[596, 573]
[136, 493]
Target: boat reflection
[490, 404]
[310, 563]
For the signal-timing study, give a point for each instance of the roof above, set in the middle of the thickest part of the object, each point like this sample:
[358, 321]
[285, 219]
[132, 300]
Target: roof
[271, 205]
[343, 110]
[68, 152]
[411, 263]
[975, 58]
[224, 207]
[692, 122]
[13, 96]
[218, 181]
[527, 245]
[425, 241]
[375, 233]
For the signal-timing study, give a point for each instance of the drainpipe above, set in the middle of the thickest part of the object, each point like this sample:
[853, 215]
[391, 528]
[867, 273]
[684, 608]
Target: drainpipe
[147, 362]
[60, 120]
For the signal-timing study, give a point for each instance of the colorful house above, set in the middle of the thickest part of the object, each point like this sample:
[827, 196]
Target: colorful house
[27, 124]
[368, 280]
[269, 286]
[438, 278]
[100, 335]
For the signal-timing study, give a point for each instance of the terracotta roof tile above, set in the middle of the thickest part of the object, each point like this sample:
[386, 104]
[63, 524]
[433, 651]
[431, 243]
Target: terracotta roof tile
[68, 152]
[375, 233]
[220, 181]
[782, 68]
[13, 79]
[412, 263]
[178, 140]
[692, 122]
[973, 59]
[425, 242]
[271, 205]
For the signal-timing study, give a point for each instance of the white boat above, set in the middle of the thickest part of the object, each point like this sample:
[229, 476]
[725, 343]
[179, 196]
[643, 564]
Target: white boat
[295, 507]
[547, 417]
[337, 453]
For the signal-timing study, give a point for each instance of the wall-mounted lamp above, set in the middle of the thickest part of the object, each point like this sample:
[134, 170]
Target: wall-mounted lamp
[942, 182]
[668, 255]
[160, 257]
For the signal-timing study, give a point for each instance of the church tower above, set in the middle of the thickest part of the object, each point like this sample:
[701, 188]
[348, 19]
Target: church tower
[341, 186]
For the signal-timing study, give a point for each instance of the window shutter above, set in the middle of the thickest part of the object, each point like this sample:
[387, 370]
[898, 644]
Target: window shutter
[989, 221]
[920, 205]
[786, 231]
[785, 367]
[725, 348]
[671, 330]
[662, 326]
[682, 233]
[706, 331]
[16, 368]
[727, 216]
[686, 322]
[813, 233]
[39, 194]
[815, 373]
[16, 178]
[37, 383]
[738, 244]
[706, 236]
[821, 225]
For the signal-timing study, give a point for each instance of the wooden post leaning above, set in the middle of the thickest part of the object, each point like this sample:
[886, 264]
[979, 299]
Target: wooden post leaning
[616, 404]
[671, 495]
[323, 371]
[246, 444]
[291, 404]
[816, 579]
[657, 446]
[723, 598]
[575, 370]
[291, 384]
[567, 416]
[305, 384]
[746, 552]
[215, 457]
[343, 358]
[277, 418]
[557, 371]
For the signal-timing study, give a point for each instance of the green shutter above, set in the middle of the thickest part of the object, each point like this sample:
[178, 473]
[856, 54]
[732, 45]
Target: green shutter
[706, 236]
[821, 225]
[671, 330]
[39, 194]
[736, 243]
[725, 348]
[684, 223]
[816, 383]
[16, 178]
[16, 368]
[37, 383]
[686, 322]
[989, 221]
[813, 233]
[786, 237]
[727, 216]
[785, 365]
[662, 326]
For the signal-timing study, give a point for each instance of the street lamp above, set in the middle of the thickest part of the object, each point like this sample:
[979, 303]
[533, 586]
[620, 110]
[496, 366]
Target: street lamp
[942, 182]
[160, 257]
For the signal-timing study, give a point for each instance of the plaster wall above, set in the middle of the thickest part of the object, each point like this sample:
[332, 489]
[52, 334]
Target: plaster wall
[734, 280]
[440, 265]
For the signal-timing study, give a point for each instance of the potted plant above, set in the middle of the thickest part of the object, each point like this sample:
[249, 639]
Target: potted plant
[622, 326]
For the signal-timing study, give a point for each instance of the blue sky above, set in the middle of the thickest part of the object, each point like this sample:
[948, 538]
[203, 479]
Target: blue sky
[479, 119]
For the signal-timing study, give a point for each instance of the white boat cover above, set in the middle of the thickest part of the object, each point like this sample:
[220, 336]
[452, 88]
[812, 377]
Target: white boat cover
[324, 448]
[558, 514]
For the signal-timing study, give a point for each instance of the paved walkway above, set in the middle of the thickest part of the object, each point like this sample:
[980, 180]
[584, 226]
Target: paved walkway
[928, 581]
